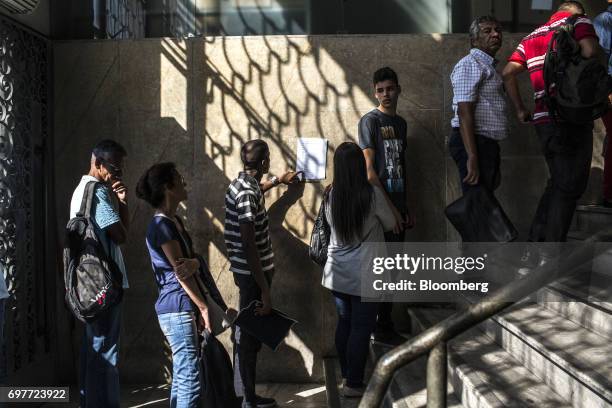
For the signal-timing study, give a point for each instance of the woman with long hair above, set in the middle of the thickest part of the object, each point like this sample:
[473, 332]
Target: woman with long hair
[181, 309]
[357, 212]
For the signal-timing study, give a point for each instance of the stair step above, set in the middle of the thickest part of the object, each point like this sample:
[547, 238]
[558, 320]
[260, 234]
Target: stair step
[592, 218]
[577, 235]
[594, 209]
[588, 315]
[572, 360]
[408, 388]
[484, 375]
[590, 287]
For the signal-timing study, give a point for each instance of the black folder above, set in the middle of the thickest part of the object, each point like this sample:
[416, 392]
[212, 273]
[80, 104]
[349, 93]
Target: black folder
[271, 329]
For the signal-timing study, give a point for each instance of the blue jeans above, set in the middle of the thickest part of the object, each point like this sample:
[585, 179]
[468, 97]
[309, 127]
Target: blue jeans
[99, 375]
[182, 335]
[356, 322]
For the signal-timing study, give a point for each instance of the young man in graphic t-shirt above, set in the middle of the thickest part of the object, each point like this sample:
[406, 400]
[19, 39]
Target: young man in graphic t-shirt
[382, 136]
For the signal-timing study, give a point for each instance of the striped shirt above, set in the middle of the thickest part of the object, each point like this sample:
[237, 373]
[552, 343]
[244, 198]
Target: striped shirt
[244, 202]
[531, 53]
[475, 79]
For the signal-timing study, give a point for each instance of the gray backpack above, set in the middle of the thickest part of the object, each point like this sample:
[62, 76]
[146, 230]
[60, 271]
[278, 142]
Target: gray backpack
[92, 279]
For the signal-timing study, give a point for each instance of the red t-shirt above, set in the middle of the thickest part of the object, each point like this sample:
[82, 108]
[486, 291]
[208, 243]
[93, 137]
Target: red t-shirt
[531, 53]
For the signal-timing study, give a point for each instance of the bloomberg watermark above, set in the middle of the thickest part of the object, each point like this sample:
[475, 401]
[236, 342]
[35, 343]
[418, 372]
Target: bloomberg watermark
[452, 272]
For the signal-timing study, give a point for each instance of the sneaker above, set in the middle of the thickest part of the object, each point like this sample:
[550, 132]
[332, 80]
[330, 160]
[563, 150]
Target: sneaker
[350, 392]
[542, 259]
[389, 338]
[260, 402]
[529, 260]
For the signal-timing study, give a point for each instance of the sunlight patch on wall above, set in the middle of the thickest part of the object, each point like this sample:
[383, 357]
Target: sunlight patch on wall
[298, 345]
[429, 16]
[173, 81]
[340, 95]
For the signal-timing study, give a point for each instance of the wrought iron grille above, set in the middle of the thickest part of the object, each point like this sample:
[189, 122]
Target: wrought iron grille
[19, 6]
[125, 19]
[23, 130]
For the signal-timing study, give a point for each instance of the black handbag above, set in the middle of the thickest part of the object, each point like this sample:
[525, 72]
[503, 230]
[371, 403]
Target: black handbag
[478, 217]
[217, 374]
[319, 239]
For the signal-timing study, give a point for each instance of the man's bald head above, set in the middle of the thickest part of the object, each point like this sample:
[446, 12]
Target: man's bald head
[574, 7]
[253, 153]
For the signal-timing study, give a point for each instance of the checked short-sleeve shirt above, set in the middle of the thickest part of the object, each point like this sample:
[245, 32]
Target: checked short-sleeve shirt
[476, 80]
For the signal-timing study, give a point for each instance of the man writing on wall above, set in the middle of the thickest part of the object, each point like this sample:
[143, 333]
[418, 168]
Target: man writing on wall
[249, 249]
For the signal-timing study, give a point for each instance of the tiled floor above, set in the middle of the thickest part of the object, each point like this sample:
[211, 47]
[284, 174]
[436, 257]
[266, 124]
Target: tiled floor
[287, 395]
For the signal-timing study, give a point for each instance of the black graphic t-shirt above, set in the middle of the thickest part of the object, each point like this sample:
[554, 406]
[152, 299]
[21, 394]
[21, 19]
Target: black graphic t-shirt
[387, 136]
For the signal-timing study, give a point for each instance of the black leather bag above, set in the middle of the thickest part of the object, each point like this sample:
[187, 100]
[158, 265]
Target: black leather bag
[319, 239]
[479, 217]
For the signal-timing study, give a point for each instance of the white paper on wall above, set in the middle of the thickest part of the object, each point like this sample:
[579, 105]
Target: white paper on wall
[312, 157]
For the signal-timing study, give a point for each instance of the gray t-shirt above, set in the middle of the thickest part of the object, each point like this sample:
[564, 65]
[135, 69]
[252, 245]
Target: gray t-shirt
[346, 262]
[387, 136]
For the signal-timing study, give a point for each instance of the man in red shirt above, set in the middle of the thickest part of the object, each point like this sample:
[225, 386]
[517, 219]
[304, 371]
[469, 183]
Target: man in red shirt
[567, 147]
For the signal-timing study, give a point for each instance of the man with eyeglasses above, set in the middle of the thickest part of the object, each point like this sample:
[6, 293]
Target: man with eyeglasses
[479, 105]
[99, 375]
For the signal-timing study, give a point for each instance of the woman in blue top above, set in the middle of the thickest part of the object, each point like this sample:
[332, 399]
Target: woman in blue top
[180, 306]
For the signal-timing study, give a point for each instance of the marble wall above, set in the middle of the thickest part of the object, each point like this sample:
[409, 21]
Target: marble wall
[195, 102]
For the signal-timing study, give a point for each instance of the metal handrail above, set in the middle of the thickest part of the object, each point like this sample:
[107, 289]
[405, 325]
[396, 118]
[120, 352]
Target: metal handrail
[434, 339]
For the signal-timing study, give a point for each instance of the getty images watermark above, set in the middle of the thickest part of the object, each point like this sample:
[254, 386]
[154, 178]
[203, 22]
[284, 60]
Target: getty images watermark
[450, 272]
[406, 264]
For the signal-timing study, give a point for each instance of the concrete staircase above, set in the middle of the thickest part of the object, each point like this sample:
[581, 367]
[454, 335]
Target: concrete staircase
[552, 350]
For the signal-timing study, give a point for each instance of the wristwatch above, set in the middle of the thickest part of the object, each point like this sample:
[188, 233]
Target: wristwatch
[275, 181]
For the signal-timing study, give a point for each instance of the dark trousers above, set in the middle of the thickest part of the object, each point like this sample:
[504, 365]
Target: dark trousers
[356, 322]
[384, 321]
[488, 160]
[567, 149]
[607, 154]
[246, 346]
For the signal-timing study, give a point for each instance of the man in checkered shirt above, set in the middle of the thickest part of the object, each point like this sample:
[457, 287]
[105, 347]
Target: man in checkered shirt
[479, 104]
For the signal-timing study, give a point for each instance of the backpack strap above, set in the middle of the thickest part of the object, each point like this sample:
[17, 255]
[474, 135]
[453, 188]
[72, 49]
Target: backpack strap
[556, 47]
[183, 234]
[549, 72]
[571, 21]
[87, 200]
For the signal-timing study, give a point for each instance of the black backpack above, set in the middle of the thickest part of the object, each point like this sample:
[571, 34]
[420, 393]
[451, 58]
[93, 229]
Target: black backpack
[92, 279]
[576, 89]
